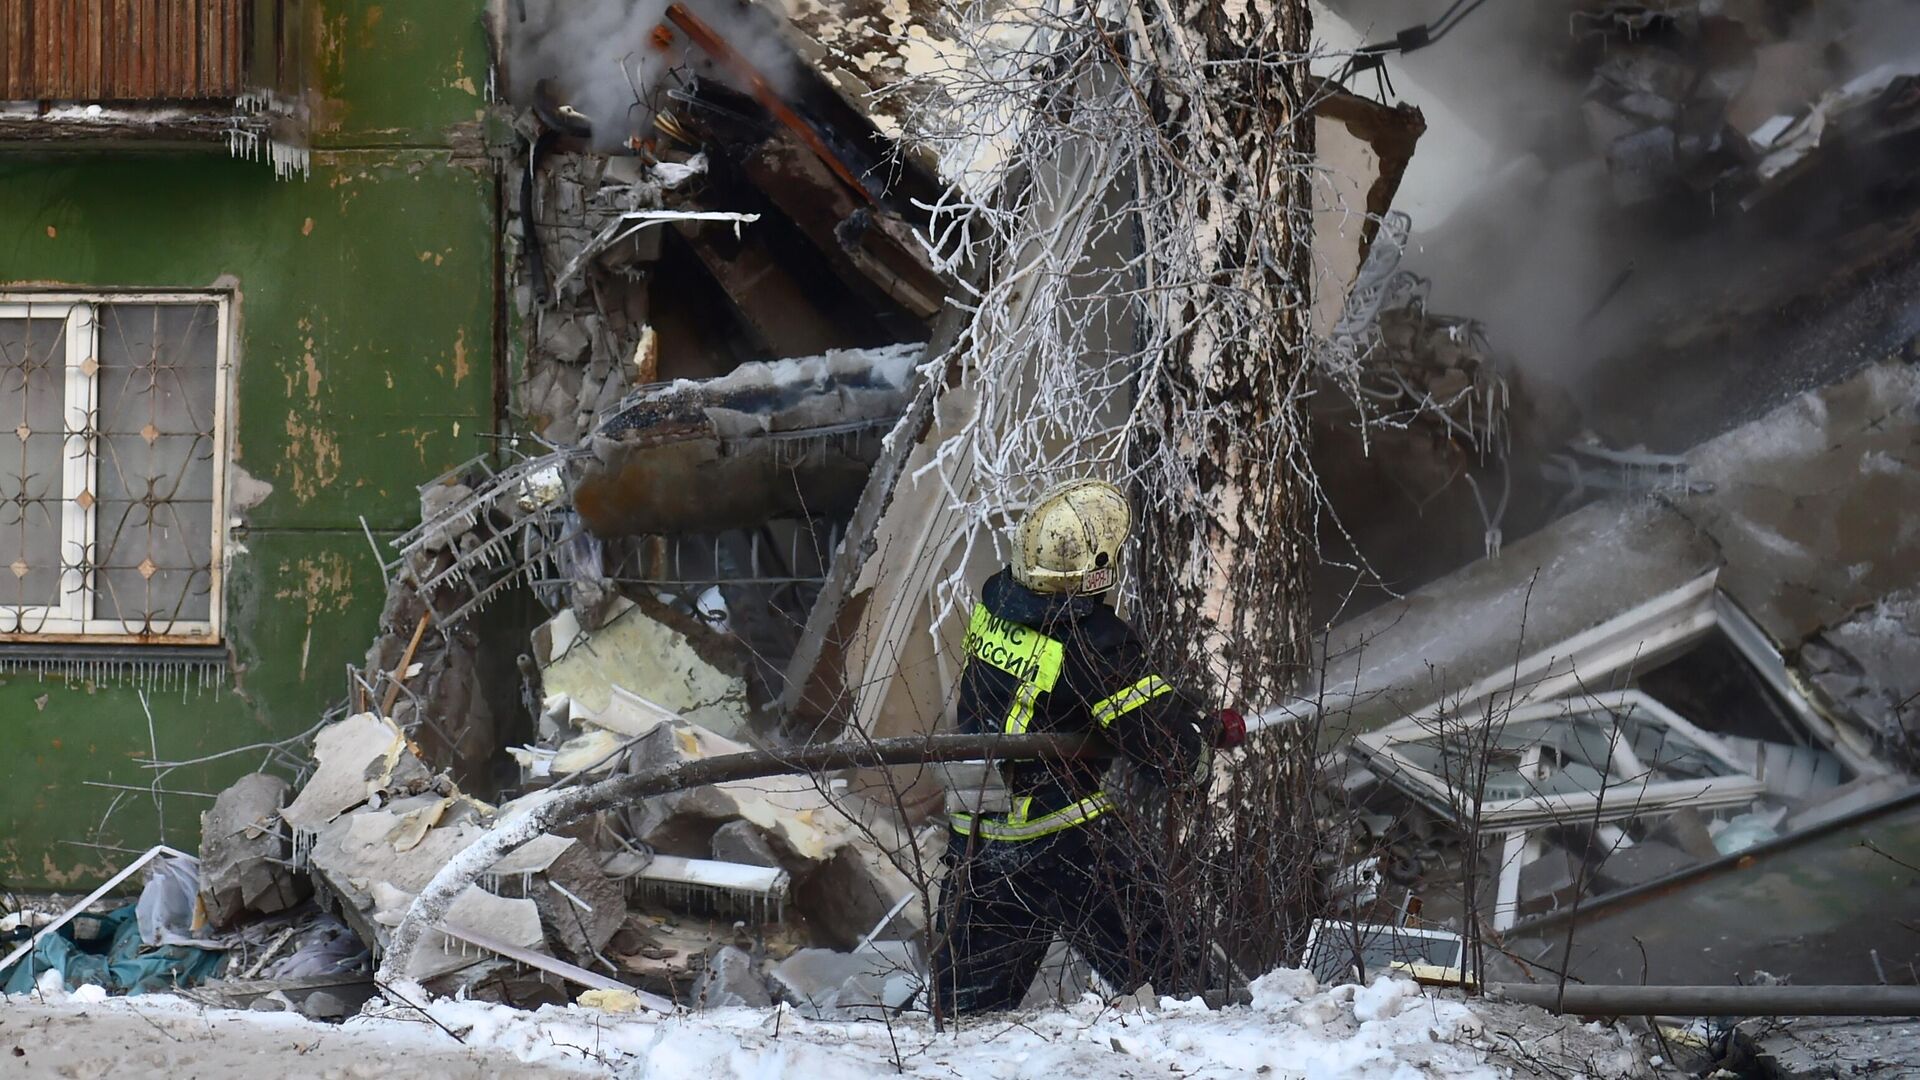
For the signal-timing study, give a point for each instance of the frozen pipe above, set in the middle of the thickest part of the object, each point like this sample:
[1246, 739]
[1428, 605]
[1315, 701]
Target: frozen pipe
[1716, 1000]
[737, 878]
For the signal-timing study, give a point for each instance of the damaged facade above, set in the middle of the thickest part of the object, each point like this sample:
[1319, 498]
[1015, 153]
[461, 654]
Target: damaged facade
[1622, 706]
[272, 385]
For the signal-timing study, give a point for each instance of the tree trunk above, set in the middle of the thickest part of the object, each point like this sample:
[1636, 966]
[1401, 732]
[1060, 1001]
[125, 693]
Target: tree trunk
[1224, 536]
[1228, 561]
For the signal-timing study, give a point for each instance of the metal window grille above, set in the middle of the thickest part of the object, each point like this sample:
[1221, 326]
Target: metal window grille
[111, 485]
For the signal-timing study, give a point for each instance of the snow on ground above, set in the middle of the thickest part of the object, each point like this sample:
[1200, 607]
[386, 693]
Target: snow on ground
[1390, 1030]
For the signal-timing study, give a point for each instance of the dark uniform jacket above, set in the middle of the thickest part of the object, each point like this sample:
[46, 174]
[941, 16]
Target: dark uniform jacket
[1049, 663]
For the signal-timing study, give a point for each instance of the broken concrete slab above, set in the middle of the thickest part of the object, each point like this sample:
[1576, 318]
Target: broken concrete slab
[323, 1005]
[244, 853]
[354, 856]
[723, 453]
[850, 893]
[1648, 860]
[353, 759]
[1643, 165]
[813, 978]
[1586, 569]
[873, 981]
[731, 979]
[374, 845]
[477, 912]
[562, 887]
[743, 842]
[805, 825]
[1869, 665]
[1064, 976]
[1549, 881]
[580, 907]
[647, 649]
[1810, 503]
[627, 713]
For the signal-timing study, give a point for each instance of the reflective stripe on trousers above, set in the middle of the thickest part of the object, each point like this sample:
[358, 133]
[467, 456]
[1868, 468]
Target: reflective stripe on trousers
[1018, 826]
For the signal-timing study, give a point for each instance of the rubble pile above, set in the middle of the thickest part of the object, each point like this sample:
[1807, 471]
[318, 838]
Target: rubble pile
[1734, 99]
[746, 891]
[1870, 665]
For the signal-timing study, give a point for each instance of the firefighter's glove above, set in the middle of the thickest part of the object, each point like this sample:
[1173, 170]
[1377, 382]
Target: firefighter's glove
[1232, 731]
[1200, 778]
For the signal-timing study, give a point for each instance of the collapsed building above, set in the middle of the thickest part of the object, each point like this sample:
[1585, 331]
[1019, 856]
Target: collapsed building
[1627, 744]
[1623, 686]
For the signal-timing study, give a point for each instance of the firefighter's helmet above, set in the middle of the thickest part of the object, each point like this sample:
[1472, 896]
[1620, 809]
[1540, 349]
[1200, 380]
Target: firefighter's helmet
[1070, 540]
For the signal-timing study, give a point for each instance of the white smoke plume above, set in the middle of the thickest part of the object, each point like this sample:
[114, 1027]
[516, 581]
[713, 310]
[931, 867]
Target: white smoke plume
[605, 57]
[1537, 245]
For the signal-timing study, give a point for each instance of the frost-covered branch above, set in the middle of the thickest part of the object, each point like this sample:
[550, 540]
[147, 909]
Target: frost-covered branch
[555, 808]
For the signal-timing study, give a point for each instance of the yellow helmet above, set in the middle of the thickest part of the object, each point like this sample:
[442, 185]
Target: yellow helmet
[1070, 541]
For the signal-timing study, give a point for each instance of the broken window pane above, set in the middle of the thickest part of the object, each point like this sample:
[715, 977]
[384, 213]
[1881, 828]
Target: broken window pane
[1622, 752]
[32, 400]
[158, 380]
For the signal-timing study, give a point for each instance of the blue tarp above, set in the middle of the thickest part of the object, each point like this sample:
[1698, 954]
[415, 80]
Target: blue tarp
[115, 959]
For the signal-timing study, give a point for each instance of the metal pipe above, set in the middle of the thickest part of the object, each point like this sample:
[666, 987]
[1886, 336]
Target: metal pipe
[1574, 1000]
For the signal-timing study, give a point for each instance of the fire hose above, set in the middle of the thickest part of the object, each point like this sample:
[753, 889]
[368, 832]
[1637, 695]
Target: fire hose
[556, 808]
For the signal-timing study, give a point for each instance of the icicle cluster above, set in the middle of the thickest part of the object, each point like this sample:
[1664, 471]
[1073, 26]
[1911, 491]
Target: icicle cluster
[288, 159]
[244, 141]
[149, 676]
[691, 896]
[303, 847]
[494, 535]
[513, 886]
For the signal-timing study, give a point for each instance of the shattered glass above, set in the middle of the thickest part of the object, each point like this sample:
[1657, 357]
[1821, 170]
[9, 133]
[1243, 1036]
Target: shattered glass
[1577, 753]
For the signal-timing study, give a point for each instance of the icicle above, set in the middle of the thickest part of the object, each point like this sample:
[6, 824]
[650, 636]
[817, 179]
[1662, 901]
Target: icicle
[287, 160]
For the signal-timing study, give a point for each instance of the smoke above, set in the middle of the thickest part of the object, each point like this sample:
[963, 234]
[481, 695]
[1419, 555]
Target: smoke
[615, 60]
[1533, 237]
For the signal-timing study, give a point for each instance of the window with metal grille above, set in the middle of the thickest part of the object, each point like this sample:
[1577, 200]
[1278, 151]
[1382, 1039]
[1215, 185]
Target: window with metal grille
[111, 479]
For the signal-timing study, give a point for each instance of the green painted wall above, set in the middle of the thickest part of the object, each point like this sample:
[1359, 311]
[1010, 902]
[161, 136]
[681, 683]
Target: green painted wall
[365, 307]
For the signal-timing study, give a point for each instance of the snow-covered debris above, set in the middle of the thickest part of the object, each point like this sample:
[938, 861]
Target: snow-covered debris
[1320, 1035]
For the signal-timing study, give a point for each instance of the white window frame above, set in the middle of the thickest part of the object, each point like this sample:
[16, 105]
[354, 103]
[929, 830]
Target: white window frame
[72, 620]
[1631, 789]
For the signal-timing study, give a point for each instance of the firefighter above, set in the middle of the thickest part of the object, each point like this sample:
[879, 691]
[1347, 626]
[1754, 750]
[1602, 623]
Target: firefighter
[1046, 653]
